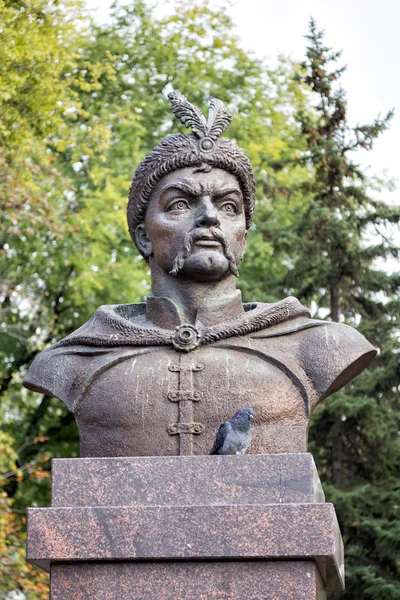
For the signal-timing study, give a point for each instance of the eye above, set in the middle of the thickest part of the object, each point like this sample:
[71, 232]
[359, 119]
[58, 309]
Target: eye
[178, 205]
[229, 207]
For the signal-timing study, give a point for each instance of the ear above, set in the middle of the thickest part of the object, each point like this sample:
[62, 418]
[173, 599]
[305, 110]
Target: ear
[142, 241]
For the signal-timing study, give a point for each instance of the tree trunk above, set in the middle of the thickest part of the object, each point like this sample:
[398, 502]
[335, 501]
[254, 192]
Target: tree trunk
[337, 461]
[334, 304]
[337, 445]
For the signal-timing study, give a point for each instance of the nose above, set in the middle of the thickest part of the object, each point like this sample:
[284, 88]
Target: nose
[208, 214]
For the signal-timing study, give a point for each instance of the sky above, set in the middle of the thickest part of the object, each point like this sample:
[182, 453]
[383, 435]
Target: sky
[367, 31]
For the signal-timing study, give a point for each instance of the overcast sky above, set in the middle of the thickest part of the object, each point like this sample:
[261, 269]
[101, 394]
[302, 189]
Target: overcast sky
[368, 33]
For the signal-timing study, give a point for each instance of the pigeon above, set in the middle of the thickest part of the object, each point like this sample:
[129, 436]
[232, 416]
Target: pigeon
[234, 437]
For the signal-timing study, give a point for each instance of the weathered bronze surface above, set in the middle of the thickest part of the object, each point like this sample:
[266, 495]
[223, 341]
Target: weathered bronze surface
[158, 378]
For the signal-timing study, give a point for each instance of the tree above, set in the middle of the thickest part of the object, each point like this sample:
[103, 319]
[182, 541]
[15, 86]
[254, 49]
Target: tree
[39, 48]
[337, 241]
[92, 103]
[15, 572]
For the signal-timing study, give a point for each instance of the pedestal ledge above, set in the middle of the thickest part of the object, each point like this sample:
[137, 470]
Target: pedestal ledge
[220, 519]
[291, 531]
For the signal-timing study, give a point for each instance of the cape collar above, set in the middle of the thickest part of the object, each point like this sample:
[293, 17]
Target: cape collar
[128, 325]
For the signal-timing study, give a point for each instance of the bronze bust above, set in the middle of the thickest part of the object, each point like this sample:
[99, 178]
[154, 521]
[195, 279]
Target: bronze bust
[158, 378]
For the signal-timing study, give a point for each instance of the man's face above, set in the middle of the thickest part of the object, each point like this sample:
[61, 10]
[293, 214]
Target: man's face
[195, 224]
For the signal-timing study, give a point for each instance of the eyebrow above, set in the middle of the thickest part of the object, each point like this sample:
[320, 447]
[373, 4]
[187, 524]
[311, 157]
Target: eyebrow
[181, 186]
[226, 191]
[196, 190]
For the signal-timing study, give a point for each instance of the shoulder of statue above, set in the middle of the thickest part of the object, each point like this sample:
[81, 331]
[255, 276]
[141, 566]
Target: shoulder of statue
[332, 354]
[62, 368]
[55, 371]
[329, 354]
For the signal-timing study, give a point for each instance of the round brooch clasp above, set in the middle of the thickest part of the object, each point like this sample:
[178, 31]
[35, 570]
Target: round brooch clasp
[186, 338]
[206, 144]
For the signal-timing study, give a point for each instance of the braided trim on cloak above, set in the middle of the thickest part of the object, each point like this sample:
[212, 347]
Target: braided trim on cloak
[130, 334]
[276, 315]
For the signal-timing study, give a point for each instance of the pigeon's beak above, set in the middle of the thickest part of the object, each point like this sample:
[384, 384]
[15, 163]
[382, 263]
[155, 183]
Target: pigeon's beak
[251, 416]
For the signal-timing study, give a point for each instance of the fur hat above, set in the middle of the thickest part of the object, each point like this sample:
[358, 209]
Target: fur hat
[177, 151]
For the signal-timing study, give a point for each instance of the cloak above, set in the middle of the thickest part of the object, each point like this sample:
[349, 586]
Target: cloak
[127, 370]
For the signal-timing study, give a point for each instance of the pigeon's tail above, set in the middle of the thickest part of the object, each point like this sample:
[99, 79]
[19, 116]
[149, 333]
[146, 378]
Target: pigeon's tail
[220, 437]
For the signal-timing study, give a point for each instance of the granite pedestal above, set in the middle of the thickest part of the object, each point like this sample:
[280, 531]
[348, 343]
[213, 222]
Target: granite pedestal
[187, 527]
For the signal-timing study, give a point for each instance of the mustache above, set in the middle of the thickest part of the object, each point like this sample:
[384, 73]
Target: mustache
[194, 236]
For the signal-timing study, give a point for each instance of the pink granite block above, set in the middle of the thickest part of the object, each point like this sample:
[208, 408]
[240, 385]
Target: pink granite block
[239, 580]
[286, 531]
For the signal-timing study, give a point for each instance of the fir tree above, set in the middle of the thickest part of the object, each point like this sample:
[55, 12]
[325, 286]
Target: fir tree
[336, 243]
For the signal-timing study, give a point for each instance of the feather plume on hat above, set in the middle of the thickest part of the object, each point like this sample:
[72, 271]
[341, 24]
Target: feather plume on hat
[192, 117]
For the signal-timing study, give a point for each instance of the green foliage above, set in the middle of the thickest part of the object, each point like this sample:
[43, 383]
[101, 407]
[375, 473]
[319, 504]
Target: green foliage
[90, 104]
[82, 105]
[336, 240]
[15, 572]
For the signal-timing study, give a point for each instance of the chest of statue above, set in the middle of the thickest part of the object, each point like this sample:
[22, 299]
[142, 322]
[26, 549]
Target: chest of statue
[157, 401]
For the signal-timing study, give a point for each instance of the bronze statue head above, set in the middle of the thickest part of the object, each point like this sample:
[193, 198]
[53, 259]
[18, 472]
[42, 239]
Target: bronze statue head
[203, 151]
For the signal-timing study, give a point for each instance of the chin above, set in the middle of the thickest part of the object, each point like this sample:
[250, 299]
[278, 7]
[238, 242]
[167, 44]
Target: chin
[206, 266]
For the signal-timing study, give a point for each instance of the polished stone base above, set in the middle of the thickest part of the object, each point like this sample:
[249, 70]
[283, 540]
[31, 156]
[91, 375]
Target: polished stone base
[195, 527]
[245, 580]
